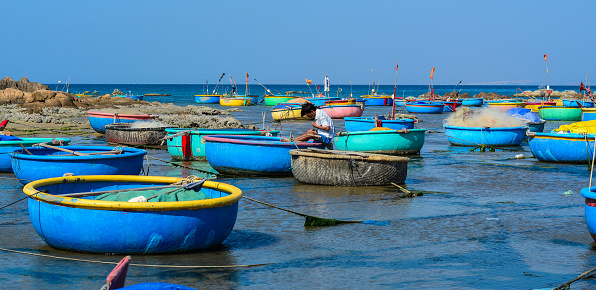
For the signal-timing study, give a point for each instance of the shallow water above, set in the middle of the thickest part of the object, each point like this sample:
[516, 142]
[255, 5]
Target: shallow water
[485, 221]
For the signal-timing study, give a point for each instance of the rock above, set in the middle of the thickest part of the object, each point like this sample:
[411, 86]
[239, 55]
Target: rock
[40, 96]
[117, 92]
[7, 82]
[24, 85]
[12, 96]
[66, 101]
[490, 96]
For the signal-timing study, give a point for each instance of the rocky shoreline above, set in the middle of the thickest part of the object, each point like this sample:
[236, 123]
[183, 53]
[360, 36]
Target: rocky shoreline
[34, 107]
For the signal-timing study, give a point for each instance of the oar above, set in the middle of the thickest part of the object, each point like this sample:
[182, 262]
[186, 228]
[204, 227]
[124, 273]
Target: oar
[62, 149]
[93, 193]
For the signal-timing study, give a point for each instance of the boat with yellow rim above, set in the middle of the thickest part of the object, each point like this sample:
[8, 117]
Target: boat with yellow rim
[535, 104]
[340, 102]
[235, 101]
[287, 111]
[506, 105]
[95, 213]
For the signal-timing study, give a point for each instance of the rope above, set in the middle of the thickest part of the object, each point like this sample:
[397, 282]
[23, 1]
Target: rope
[187, 167]
[139, 265]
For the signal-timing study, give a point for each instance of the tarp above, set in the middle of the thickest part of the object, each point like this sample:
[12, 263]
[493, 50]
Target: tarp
[524, 113]
[178, 195]
[586, 127]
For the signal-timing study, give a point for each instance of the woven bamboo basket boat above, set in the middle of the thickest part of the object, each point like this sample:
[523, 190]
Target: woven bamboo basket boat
[347, 168]
[122, 133]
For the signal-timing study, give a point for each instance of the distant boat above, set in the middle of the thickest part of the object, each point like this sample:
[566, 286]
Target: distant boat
[234, 101]
[207, 99]
[425, 107]
[272, 100]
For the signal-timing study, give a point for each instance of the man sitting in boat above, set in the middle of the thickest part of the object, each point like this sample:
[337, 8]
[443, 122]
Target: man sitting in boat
[325, 130]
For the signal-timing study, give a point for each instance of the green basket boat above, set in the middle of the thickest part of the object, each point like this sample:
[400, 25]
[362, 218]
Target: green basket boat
[560, 113]
[392, 142]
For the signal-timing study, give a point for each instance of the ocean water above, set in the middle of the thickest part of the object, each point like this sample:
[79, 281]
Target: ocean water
[184, 94]
[486, 221]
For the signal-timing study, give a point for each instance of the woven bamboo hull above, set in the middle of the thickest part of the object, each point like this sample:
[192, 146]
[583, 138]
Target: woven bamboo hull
[123, 134]
[341, 168]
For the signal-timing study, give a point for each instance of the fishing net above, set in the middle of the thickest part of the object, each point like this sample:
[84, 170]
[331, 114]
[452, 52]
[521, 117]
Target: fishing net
[484, 117]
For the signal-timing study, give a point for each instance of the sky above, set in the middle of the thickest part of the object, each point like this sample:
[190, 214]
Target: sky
[285, 42]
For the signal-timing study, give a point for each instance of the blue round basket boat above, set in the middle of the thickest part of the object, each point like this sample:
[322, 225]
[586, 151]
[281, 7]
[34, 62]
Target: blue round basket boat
[86, 224]
[353, 124]
[252, 155]
[589, 193]
[564, 148]
[425, 107]
[97, 160]
[475, 136]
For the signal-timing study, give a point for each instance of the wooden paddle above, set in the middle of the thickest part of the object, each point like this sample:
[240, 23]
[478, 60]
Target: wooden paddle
[62, 149]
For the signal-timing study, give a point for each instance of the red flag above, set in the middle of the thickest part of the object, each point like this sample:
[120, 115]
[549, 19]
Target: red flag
[545, 58]
[581, 87]
[396, 64]
[432, 71]
[246, 77]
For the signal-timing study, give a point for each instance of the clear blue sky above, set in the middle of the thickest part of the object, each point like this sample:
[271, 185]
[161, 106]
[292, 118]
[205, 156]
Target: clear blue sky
[284, 42]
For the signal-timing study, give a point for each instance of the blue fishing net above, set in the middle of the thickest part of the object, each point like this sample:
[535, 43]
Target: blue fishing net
[524, 113]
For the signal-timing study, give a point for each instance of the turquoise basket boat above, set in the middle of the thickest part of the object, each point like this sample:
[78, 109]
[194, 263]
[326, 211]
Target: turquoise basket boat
[86, 224]
[472, 102]
[560, 113]
[392, 142]
[564, 148]
[475, 136]
[188, 144]
[7, 147]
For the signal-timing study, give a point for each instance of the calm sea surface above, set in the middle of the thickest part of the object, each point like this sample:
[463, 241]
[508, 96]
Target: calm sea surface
[485, 221]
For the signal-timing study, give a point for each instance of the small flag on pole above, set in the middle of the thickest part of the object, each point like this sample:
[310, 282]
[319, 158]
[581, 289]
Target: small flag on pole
[396, 65]
[308, 81]
[247, 77]
[545, 58]
[581, 87]
[432, 72]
